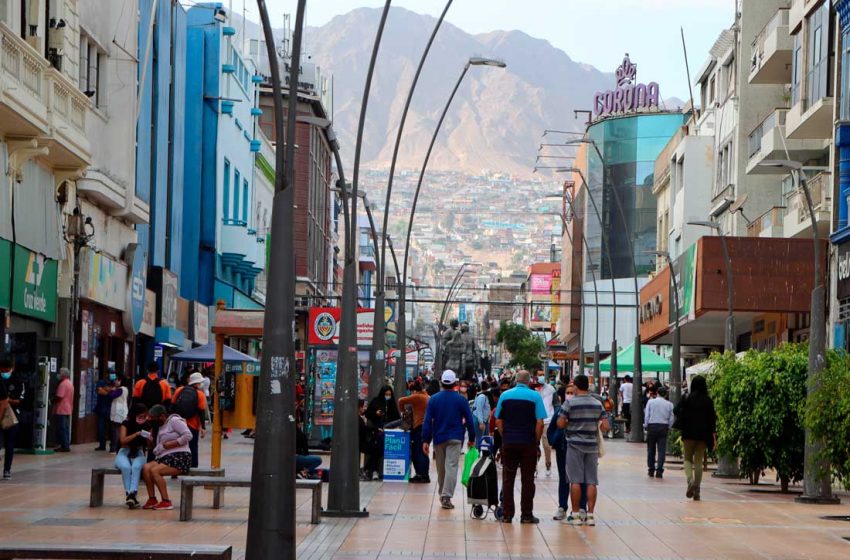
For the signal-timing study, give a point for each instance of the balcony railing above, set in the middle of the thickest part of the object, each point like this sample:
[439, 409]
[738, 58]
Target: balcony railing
[779, 19]
[820, 186]
[775, 118]
[772, 218]
[367, 250]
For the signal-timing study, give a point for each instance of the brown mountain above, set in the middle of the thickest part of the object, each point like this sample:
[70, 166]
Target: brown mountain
[498, 116]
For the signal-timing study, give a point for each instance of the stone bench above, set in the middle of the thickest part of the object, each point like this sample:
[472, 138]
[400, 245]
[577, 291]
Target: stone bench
[98, 475]
[188, 484]
[115, 552]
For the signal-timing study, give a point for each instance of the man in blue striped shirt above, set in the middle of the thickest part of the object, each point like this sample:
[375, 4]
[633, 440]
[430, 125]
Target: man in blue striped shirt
[582, 416]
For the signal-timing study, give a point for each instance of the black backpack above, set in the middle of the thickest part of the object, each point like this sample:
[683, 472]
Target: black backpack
[186, 404]
[152, 392]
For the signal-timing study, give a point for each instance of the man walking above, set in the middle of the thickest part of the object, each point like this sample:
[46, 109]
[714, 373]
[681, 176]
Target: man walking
[626, 390]
[519, 417]
[63, 406]
[152, 390]
[582, 416]
[658, 419]
[418, 401]
[191, 404]
[445, 416]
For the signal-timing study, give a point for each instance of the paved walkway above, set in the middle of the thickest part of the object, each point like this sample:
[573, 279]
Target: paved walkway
[47, 502]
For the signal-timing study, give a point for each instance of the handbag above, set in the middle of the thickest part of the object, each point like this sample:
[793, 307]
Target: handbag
[9, 420]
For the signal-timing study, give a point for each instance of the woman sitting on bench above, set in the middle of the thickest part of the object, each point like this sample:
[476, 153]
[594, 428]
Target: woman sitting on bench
[133, 437]
[172, 455]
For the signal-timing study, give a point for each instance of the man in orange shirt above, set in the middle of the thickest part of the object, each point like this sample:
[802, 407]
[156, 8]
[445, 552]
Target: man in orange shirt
[191, 403]
[418, 401]
[152, 390]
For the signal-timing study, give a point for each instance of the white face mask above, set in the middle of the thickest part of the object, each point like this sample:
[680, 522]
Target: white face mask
[569, 396]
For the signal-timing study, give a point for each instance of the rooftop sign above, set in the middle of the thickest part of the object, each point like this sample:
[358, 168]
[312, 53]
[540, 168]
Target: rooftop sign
[628, 97]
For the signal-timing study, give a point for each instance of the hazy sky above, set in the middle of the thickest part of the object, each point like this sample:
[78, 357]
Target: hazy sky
[597, 32]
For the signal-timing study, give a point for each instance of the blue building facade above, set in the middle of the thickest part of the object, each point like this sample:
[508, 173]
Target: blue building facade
[222, 253]
[841, 227]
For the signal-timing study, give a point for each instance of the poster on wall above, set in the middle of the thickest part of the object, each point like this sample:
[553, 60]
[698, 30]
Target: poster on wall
[326, 381]
[81, 408]
[541, 284]
[685, 269]
[84, 336]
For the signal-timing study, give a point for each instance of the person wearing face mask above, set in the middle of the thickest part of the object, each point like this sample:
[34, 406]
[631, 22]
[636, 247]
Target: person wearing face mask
[104, 389]
[382, 410]
[133, 438]
[12, 392]
[118, 410]
[549, 396]
[171, 453]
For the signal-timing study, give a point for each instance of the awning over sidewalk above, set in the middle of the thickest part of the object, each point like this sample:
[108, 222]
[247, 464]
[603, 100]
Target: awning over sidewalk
[650, 361]
[206, 353]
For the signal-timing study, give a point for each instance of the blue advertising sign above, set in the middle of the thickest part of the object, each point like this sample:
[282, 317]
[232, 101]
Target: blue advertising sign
[134, 307]
[396, 455]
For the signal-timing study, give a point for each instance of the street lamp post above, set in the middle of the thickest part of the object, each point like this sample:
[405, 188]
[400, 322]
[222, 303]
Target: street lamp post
[378, 342]
[78, 232]
[271, 513]
[344, 486]
[401, 364]
[816, 483]
[676, 373]
[637, 411]
[606, 243]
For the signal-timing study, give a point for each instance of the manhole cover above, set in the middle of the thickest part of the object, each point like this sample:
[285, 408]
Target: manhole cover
[65, 522]
[836, 518]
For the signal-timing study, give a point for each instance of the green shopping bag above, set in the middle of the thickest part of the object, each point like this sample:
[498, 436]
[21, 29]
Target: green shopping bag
[469, 462]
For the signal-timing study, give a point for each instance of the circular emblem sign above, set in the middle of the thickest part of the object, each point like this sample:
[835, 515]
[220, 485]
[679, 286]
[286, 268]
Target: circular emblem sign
[325, 326]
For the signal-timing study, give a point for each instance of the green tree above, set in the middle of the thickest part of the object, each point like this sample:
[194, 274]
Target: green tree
[524, 347]
[828, 415]
[760, 401]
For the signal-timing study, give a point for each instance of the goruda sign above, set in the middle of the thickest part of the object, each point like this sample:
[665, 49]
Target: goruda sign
[628, 97]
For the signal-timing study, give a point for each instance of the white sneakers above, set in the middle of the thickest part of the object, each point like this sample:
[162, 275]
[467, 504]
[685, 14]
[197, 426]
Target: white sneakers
[560, 514]
[580, 518]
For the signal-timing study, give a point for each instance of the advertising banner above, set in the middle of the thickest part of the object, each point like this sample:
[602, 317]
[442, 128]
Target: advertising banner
[324, 324]
[541, 284]
[326, 381]
[5, 265]
[34, 288]
[396, 455]
[103, 280]
[685, 269]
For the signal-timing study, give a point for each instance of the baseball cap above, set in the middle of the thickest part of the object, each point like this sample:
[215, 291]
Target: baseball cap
[448, 377]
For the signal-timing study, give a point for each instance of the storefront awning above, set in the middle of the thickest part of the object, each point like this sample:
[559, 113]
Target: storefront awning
[206, 353]
[650, 361]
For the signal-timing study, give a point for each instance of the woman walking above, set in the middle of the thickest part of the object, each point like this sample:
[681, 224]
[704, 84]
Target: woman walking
[382, 410]
[697, 422]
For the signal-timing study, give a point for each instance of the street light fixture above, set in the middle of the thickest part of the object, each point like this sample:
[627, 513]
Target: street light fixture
[378, 338]
[816, 486]
[676, 374]
[400, 380]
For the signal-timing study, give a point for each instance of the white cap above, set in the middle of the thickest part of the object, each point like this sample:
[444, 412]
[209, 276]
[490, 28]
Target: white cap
[448, 377]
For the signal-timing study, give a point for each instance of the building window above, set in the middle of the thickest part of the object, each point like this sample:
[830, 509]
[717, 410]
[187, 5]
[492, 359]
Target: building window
[92, 77]
[245, 201]
[817, 71]
[845, 77]
[724, 168]
[796, 72]
[236, 183]
[226, 198]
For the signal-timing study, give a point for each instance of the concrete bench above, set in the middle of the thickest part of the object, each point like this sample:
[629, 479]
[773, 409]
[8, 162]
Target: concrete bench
[115, 552]
[98, 475]
[188, 484]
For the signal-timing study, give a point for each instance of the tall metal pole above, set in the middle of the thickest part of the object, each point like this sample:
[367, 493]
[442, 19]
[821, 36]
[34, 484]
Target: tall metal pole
[729, 331]
[816, 481]
[378, 366]
[676, 370]
[344, 485]
[271, 514]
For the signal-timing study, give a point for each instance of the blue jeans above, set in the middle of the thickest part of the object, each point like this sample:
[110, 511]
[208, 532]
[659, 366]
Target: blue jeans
[421, 462]
[131, 469]
[63, 430]
[479, 434]
[564, 481]
[309, 462]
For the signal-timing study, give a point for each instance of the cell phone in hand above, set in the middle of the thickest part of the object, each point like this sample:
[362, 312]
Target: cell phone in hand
[146, 434]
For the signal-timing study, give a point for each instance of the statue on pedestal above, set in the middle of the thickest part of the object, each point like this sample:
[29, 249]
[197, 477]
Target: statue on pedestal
[470, 360]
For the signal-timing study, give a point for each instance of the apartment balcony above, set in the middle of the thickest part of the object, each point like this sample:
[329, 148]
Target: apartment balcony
[38, 101]
[767, 141]
[772, 50]
[810, 116]
[769, 224]
[797, 222]
[239, 248]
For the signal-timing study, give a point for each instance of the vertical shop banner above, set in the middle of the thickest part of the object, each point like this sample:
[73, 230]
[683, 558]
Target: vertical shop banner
[396, 455]
[555, 313]
[685, 269]
[34, 285]
[326, 382]
[461, 313]
[84, 335]
[5, 277]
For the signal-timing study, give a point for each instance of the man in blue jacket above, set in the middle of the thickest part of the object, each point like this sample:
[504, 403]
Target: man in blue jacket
[445, 417]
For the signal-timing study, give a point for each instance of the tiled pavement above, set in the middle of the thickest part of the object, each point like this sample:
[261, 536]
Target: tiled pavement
[47, 502]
